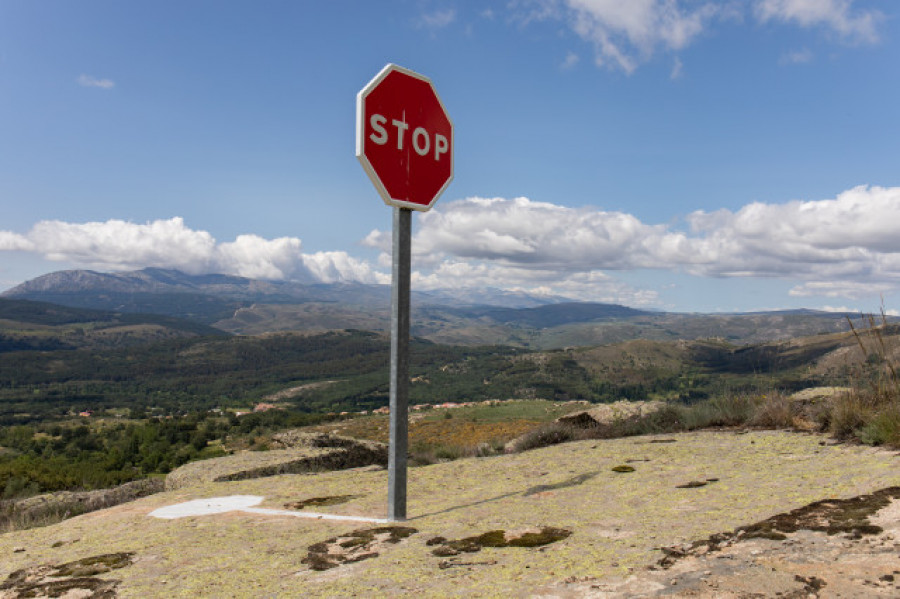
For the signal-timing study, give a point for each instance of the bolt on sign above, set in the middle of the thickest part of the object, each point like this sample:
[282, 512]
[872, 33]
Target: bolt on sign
[404, 138]
[404, 141]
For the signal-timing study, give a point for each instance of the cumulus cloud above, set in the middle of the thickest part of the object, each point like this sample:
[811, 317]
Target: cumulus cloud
[122, 245]
[848, 246]
[838, 15]
[855, 235]
[796, 57]
[88, 81]
[846, 289]
[626, 34]
[437, 19]
[588, 285]
[541, 235]
[843, 247]
[677, 69]
[340, 267]
[258, 258]
[569, 61]
[10, 241]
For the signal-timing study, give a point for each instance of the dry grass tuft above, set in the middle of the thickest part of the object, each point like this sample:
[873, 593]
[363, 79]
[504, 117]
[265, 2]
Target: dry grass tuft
[870, 412]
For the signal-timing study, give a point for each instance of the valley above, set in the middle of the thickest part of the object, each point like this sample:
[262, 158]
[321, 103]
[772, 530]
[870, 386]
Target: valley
[239, 392]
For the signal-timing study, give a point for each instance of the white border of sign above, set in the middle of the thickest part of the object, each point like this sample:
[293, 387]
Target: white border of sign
[360, 135]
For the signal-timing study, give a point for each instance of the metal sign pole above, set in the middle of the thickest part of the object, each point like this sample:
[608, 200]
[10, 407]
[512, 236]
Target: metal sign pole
[399, 424]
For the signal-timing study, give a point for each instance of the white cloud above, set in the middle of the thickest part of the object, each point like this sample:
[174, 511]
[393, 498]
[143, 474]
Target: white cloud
[340, 267]
[845, 289]
[592, 285]
[10, 241]
[797, 57]
[846, 247]
[625, 34]
[378, 239]
[862, 313]
[258, 258]
[836, 309]
[88, 81]
[121, 245]
[437, 19]
[855, 236]
[541, 235]
[677, 69]
[569, 61]
[837, 15]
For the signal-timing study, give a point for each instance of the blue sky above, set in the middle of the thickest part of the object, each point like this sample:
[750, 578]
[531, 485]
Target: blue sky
[670, 154]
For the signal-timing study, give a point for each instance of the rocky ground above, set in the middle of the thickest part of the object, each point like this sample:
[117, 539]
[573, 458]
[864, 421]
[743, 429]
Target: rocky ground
[706, 514]
[301, 453]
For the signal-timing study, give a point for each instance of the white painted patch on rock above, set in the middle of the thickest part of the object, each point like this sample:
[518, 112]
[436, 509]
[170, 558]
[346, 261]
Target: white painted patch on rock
[204, 507]
[243, 503]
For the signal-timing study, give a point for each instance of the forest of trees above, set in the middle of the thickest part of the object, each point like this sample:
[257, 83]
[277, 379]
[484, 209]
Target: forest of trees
[160, 404]
[78, 454]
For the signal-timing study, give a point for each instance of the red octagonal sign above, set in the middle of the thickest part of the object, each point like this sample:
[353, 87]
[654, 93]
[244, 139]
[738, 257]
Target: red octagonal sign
[404, 138]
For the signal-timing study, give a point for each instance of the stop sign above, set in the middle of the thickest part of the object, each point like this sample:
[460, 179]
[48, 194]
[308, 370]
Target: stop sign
[404, 138]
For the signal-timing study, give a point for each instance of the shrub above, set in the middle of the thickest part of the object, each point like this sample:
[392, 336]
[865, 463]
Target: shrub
[871, 411]
[883, 428]
[849, 413]
[550, 434]
[773, 411]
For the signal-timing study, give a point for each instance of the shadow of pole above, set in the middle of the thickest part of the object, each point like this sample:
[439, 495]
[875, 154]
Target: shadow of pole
[570, 482]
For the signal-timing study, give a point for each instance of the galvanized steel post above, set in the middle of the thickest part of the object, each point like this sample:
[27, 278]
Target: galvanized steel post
[399, 399]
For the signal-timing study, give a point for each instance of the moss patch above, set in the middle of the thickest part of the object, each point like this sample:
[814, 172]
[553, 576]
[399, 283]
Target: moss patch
[623, 468]
[696, 483]
[497, 538]
[354, 547]
[77, 576]
[320, 501]
[831, 516]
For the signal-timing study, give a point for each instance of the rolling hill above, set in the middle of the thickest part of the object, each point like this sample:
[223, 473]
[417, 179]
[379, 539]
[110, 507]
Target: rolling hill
[29, 325]
[467, 317]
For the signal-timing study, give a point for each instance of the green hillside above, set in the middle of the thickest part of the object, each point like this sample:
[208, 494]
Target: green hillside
[348, 371]
[29, 325]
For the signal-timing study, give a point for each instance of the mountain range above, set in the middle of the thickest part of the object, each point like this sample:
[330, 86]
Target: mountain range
[247, 306]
